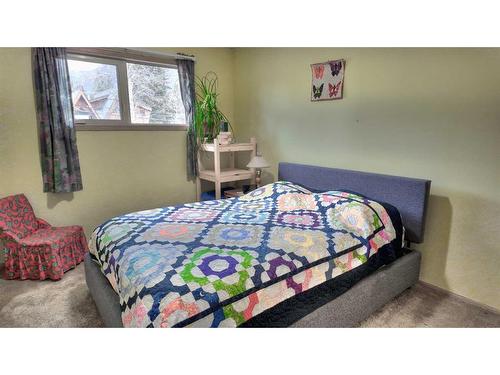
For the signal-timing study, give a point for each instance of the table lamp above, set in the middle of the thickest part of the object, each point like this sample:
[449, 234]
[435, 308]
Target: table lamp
[258, 162]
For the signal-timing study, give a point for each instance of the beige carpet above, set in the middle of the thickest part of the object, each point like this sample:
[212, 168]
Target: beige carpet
[67, 303]
[63, 303]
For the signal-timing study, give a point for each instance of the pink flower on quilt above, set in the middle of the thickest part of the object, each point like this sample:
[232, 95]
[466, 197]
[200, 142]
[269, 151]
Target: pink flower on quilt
[176, 311]
[326, 200]
[298, 219]
[139, 312]
[296, 201]
[373, 246]
[253, 300]
[136, 315]
[127, 319]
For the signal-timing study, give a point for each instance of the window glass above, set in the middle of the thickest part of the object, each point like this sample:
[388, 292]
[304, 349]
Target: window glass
[154, 94]
[94, 88]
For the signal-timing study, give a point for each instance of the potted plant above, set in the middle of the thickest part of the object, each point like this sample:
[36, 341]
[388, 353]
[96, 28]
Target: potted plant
[208, 118]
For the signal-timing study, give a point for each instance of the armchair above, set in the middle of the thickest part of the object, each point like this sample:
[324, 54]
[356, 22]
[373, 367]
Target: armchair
[33, 248]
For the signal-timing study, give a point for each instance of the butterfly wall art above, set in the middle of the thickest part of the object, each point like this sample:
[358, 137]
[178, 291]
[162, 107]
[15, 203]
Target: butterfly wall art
[327, 80]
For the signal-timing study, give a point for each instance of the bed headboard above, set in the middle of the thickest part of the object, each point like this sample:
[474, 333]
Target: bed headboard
[409, 195]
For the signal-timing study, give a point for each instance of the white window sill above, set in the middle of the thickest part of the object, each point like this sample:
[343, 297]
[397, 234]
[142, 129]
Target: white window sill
[135, 127]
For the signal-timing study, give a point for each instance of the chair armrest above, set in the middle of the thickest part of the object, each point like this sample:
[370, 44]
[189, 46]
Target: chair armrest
[42, 224]
[9, 236]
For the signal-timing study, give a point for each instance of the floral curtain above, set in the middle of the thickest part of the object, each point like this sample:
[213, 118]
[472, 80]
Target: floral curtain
[186, 79]
[58, 150]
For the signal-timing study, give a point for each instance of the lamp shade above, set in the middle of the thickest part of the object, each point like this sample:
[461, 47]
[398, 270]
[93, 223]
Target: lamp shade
[258, 162]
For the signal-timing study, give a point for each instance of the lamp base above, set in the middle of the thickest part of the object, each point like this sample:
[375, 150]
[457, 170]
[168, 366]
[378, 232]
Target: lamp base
[257, 177]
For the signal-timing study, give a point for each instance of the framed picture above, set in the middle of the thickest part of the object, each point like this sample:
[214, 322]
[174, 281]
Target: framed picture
[327, 80]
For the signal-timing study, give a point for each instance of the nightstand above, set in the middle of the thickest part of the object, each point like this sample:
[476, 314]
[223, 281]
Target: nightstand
[231, 174]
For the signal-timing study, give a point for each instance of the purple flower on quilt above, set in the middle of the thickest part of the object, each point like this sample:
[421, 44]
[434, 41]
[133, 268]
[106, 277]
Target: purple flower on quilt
[279, 266]
[221, 271]
[306, 219]
[218, 265]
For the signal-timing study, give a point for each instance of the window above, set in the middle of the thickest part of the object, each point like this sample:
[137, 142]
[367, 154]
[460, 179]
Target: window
[94, 89]
[155, 95]
[116, 93]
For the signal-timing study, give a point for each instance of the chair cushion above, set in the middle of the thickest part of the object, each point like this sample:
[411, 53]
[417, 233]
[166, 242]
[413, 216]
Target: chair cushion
[17, 216]
[50, 236]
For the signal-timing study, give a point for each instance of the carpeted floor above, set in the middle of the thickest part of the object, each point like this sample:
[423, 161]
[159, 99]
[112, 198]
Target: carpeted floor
[67, 303]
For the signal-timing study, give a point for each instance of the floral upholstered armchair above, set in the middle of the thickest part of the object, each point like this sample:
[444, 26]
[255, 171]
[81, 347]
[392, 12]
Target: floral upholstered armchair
[33, 248]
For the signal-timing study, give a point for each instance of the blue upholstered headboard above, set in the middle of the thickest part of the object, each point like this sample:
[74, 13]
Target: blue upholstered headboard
[409, 195]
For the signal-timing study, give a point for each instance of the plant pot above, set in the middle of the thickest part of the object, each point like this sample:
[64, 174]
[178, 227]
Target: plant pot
[225, 138]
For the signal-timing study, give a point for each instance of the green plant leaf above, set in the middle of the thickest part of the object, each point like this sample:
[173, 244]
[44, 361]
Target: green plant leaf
[207, 117]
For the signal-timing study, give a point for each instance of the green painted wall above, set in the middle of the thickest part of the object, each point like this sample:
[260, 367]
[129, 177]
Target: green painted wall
[428, 113]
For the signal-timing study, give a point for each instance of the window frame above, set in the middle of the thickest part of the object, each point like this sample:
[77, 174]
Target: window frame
[120, 60]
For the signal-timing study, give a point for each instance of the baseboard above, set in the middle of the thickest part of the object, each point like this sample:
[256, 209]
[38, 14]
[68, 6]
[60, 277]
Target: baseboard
[462, 298]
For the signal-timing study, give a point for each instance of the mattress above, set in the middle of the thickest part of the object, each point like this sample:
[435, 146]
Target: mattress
[229, 262]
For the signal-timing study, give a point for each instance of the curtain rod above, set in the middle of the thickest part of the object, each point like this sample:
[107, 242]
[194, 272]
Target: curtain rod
[161, 54]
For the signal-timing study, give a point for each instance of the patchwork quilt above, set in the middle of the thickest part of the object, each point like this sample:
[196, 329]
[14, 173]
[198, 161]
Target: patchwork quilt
[220, 263]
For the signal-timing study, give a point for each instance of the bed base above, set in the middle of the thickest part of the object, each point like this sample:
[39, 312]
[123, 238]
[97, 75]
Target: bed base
[346, 310]
[105, 298]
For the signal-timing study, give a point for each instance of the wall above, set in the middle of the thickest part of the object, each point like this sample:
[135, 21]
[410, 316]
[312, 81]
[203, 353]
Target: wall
[428, 113]
[123, 171]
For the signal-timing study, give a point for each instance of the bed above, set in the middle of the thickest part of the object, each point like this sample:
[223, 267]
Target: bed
[322, 247]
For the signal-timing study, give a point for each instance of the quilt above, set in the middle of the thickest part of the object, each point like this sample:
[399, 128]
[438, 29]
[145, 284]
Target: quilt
[219, 263]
